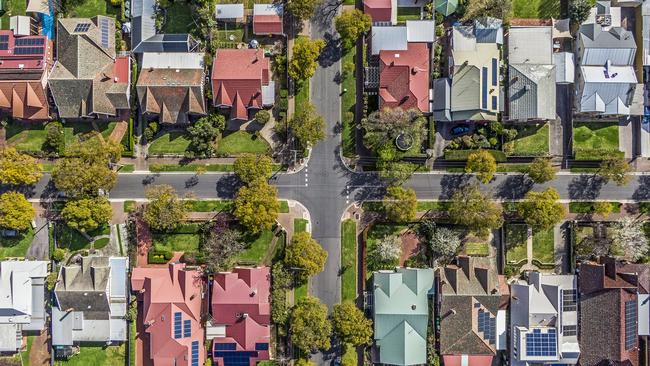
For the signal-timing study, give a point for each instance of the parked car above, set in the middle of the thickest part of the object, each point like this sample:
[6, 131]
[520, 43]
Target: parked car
[460, 130]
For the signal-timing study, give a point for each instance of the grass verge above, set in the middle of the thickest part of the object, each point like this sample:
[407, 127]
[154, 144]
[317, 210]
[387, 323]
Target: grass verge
[348, 104]
[349, 260]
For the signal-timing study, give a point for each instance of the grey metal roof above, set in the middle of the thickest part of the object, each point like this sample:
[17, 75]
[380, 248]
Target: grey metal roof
[488, 30]
[564, 67]
[531, 91]
[143, 31]
[442, 99]
[388, 38]
[421, 31]
[229, 11]
[530, 45]
[119, 266]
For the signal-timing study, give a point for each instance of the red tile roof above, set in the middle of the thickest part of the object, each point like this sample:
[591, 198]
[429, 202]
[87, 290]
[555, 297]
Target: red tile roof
[165, 292]
[121, 70]
[379, 10]
[267, 24]
[241, 72]
[240, 302]
[457, 360]
[404, 78]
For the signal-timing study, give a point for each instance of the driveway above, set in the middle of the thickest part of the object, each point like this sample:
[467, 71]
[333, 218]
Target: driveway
[40, 247]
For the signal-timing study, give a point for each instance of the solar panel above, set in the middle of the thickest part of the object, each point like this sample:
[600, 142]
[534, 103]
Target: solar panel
[29, 42]
[104, 26]
[569, 300]
[82, 27]
[494, 71]
[484, 91]
[4, 38]
[195, 353]
[240, 358]
[187, 328]
[541, 344]
[261, 346]
[487, 324]
[630, 324]
[177, 325]
[225, 346]
[28, 50]
[4, 46]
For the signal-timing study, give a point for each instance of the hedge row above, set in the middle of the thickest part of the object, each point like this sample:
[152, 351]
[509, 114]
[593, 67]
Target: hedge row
[462, 155]
[159, 256]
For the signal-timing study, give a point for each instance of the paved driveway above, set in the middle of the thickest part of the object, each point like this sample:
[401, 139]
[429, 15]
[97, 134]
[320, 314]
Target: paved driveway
[40, 247]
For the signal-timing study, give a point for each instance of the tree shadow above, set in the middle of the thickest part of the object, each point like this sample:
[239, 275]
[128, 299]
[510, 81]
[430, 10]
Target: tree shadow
[450, 183]
[514, 187]
[331, 53]
[643, 191]
[586, 187]
[227, 186]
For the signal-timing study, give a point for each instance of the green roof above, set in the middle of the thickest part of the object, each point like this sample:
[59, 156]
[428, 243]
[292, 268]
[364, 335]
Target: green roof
[446, 7]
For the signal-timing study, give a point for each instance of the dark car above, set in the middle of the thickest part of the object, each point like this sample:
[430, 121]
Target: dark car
[460, 130]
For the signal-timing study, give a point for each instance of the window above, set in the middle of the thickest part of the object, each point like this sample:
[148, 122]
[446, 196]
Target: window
[570, 330]
[630, 324]
[261, 346]
[177, 325]
[569, 300]
[187, 328]
[195, 353]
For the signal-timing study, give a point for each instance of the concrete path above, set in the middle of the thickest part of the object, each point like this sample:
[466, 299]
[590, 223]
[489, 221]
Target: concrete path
[529, 252]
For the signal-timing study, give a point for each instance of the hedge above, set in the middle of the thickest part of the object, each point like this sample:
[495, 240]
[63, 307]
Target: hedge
[541, 265]
[158, 256]
[462, 155]
[588, 207]
[597, 154]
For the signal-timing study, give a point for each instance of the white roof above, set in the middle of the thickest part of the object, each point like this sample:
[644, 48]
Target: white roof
[38, 6]
[229, 11]
[644, 315]
[119, 266]
[388, 38]
[267, 9]
[421, 31]
[530, 45]
[564, 67]
[20, 25]
[8, 340]
[172, 60]
[268, 93]
[16, 281]
[615, 74]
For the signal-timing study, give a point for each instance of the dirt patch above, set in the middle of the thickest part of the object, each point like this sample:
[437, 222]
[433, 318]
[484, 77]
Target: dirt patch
[410, 246]
[39, 355]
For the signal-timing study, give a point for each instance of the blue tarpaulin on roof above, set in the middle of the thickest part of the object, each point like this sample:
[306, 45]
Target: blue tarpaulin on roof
[47, 22]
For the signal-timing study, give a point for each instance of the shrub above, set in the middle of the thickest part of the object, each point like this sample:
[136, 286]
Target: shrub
[597, 154]
[58, 255]
[148, 134]
[51, 280]
[262, 116]
[54, 139]
[283, 104]
[284, 93]
[462, 155]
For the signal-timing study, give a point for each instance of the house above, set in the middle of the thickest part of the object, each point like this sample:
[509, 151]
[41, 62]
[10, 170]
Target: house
[267, 19]
[88, 79]
[642, 271]
[606, 83]
[474, 92]
[401, 315]
[170, 86]
[25, 64]
[241, 316]
[242, 81]
[22, 306]
[608, 328]
[446, 7]
[531, 73]
[144, 37]
[402, 72]
[544, 320]
[170, 302]
[90, 303]
[229, 12]
[472, 311]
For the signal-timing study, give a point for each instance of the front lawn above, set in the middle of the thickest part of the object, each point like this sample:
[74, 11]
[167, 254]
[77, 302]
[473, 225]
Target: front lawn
[595, 139]
[531, 140]
[30, 137]
[70, 239]
[105, 356]
[515, 235]
[210, 205]
[16, 247]
[259, 249]
[179, 18]
[185, 238]
[241, 142]
[588, 207]
[375, 234]
[349, 260]
[410, 13]
[536, 9]
[74, 130]
[543, 246]
[175, 142]
[348, 103]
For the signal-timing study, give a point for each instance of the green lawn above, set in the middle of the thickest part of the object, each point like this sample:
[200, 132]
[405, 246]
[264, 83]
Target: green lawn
[588, 207]
[210, 205]
[105, 356]
[13, 7]
[71, 239]
[478, 249]
[90, 8]
[240, 142]
[184, 238]
[132, 341]
[432, 205]
[411, 13]
[179, 18]
[259, 249]
[517, 168]
[516, 235]
[300, 225]
[349, 260]
[30, 137]
[16, 247]
[536, 9]
[170, 143]
[300, 292]
[195, 167]
[302, 94]
[127, 168]
[227, 30]
[531, 140]
[101, 243]
[543, 246]
[348, 102]
[284, 207]
[24, 356]
[595, 135]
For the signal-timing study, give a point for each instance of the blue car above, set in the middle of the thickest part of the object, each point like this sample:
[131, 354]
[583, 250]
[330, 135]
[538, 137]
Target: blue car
[459, 130]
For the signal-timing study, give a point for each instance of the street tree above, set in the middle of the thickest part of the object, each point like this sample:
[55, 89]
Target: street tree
[165, 209]
[307, 126]
[302, 65]
[479, 9]
[400, 204]
[443, 242]
[350, 324]
[250, 167]
[87, 214]
[541, 170]
[542, 210]
[472, 208]
[219, 247]
[615, 169]
[350, 25]
[305, 256]
[483, 164]
[629, 237]
[310, 329]
[395, 172]
[18, 169]
[15, 211]
[257, 206]
[303, 9]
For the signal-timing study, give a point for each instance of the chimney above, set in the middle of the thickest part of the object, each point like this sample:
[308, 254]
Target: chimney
[610, 266]
[253, 293]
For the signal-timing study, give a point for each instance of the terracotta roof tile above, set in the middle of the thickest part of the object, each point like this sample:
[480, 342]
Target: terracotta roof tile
[404, 78]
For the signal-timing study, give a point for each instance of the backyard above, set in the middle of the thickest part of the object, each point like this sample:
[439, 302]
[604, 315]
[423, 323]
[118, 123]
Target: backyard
[408, 13]
[531, 140]
[592, 140]
[17, 246]
[105, 356]
[536, 9]
[90, 8]
[178, 18]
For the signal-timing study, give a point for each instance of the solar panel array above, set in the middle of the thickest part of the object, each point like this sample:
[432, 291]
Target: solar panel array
[495, 66]
[487, 324]
[541, 344]
[569, 300]
[29, 50]
[4, 42]
[187, 328]
[82, 27]
[240, 358]
[484, 88]
[630, 324]
[29, 42]
[104, 27]
[225, 346]
[261, 346]
[195, 353]
[177, 325]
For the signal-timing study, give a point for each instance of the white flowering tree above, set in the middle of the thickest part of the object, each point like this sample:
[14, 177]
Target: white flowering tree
[389, 249]
[628, 236]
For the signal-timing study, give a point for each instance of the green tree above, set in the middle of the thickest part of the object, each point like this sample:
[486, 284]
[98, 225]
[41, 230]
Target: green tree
[87, 214]
[307, 126]
[400, 204]
[602, 208]
[310, 329]
[262, 116]
[18, 169]
[302, 65]
[483, 164]
[382, 128]
[257, 206]
[541, 170]
[203, 135]
[54, 138]
[579, 10]
[165, 209]
[350, 325]
[305, 255]
[58, 255]
[249, 167]
[350, 25]
[304, 362]
[15, 211]
[475, 209]
[303, 9]
[542, 209]
[615, 169]
[395, 172]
